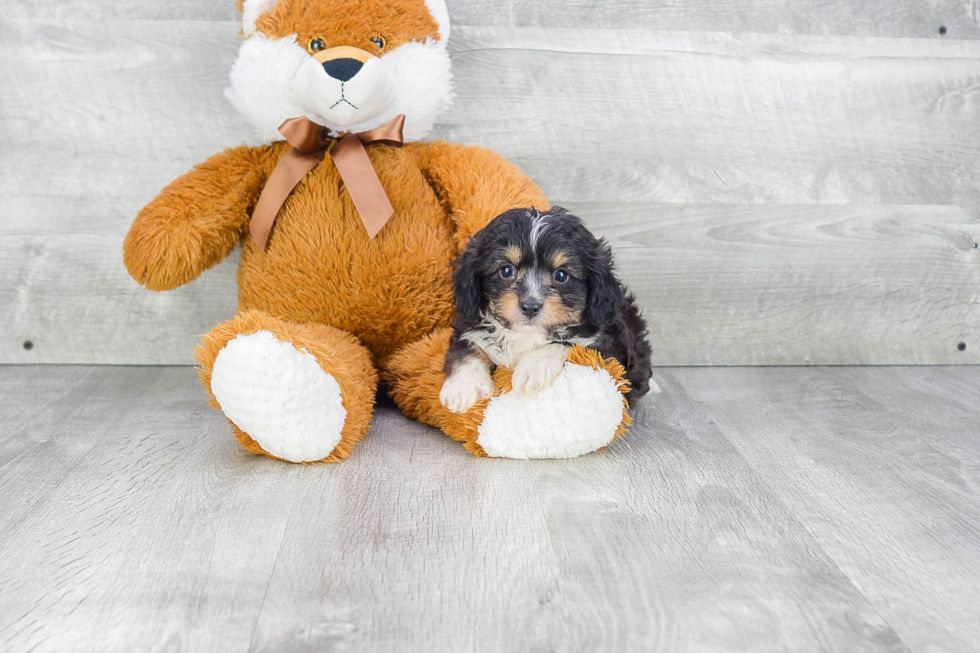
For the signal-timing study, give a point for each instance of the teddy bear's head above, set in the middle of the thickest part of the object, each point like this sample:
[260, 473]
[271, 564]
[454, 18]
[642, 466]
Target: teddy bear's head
[349, 65]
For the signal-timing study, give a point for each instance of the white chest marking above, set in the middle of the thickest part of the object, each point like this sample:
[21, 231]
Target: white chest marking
[503, 346]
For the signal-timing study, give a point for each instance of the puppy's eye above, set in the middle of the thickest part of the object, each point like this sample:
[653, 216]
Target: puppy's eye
[379, 41]
[315, 45]
[560, 276]
[507, 271]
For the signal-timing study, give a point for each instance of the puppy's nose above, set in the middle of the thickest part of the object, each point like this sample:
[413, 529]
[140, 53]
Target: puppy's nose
[530, 307]
[342, 69]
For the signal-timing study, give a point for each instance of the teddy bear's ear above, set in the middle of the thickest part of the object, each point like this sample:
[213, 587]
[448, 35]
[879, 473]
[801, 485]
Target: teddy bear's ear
[440, 12]
[251, 10]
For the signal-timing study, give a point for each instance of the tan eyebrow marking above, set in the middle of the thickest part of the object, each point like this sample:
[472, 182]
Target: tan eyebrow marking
[513, 254]
[559, 259]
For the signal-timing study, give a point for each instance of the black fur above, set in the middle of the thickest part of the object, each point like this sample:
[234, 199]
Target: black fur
[606, 294]
[469, 298]
[607, 313]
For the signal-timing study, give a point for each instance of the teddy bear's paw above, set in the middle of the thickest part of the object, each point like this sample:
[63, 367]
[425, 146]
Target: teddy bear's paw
[581, 411]
[280, 396]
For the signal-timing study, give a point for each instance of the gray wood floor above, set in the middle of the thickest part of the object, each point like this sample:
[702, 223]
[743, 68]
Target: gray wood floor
[752, 509]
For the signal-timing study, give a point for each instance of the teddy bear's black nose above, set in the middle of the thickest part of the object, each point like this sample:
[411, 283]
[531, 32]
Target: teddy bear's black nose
[342, 69]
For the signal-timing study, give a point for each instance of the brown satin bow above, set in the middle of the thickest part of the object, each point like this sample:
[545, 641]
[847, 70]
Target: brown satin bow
[311, 143]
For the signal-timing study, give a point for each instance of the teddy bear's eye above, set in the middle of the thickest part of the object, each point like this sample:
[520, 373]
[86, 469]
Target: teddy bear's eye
[316, 45]
[379, 41]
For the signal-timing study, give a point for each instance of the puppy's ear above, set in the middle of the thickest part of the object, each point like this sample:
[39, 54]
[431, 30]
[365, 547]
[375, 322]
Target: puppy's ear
[468, 289]
[605, 292]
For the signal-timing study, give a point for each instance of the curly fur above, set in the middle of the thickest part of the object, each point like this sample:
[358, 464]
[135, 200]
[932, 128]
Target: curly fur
[510, 268]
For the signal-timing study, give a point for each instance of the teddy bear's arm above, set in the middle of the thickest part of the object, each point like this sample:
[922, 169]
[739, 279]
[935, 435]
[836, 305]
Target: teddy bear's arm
[197, 220]
[476, 185]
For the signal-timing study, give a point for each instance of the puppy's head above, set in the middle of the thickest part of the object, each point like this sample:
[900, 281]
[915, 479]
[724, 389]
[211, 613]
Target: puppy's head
[347, 65]
[538, 272]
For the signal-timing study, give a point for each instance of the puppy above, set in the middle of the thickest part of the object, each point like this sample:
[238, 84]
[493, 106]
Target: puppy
[529, 285]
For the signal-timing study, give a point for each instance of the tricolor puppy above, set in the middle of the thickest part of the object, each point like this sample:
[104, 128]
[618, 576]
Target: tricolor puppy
[529, 285]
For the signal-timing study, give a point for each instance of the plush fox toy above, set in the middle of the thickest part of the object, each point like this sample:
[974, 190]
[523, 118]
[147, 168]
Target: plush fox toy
[348, 232]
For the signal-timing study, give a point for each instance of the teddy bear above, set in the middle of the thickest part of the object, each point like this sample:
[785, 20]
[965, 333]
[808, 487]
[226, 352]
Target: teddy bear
[349, 223]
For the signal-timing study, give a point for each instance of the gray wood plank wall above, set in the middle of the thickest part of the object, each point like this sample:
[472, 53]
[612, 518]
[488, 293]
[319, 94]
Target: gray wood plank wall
[921, 18]
[783, 186]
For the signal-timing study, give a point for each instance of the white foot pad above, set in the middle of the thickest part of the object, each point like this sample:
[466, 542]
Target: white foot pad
[577, 414]
[280, 396]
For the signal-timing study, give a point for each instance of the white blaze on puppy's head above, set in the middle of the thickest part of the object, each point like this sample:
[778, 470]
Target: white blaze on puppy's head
[347, 65]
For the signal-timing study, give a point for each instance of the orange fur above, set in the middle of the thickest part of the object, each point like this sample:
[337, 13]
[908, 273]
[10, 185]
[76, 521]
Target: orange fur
[338, 353]
[197, 220]
[341, 22]
[320, 265]
[321, 272]
[352, 302]
[415, 375]
[473, 183]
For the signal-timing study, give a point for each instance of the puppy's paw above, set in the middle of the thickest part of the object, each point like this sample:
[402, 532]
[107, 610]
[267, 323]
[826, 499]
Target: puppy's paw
[465, 386]
[538, 369]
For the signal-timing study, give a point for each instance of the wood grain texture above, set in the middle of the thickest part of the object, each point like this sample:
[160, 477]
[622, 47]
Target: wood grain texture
[134, 526]
[880, 466]
[721, 285]
[866, 18]
[709, 117]
[775, 199]
[650, 547]
[749, 510]
[203, 10]
[811, 284]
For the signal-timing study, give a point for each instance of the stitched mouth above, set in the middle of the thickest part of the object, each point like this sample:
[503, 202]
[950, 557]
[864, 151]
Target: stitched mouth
[343, 100]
